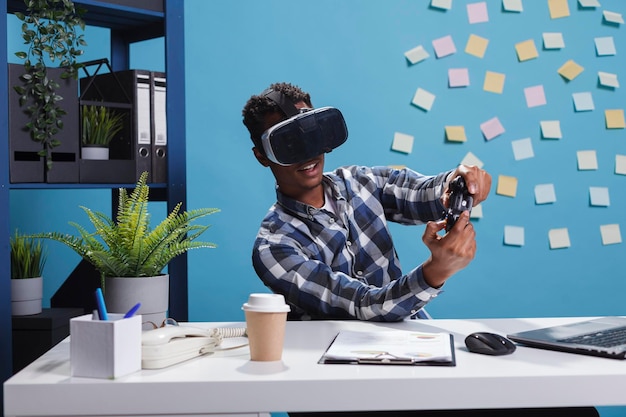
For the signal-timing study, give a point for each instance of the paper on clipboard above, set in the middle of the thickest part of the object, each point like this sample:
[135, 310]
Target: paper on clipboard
[391, 347]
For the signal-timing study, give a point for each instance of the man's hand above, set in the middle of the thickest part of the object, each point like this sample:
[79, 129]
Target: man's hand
[478, 183]
[449, 253]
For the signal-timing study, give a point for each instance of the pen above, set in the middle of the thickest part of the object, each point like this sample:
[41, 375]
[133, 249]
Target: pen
[102, 309]
[132, 311]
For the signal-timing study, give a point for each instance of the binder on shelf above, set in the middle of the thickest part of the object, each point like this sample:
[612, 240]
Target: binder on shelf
[159, 127]
[130, 89]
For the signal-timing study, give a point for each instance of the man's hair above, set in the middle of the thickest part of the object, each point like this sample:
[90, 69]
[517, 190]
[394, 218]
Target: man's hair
[258, 107]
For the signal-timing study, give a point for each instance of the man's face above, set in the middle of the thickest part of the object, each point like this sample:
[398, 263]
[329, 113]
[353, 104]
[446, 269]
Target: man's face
[298, 179]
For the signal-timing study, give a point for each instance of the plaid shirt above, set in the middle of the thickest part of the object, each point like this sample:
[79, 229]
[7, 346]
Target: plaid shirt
[345, 266]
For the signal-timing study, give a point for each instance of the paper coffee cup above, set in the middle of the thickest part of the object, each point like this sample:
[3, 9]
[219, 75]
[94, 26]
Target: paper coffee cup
[266, 318]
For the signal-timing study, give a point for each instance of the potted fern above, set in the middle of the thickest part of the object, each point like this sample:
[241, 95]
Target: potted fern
[130, 255]
[28, 258]
[99, 125]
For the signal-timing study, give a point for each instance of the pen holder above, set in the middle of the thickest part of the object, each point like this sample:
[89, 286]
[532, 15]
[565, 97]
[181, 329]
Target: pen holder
[105, 348]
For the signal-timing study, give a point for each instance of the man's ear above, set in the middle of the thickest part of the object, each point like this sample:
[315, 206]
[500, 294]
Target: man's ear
[260, 157]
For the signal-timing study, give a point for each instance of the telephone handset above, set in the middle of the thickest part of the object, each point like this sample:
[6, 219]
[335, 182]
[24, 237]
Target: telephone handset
[169, 345]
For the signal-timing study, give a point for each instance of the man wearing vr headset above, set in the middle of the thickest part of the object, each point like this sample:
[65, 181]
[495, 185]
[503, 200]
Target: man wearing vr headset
[325, 244]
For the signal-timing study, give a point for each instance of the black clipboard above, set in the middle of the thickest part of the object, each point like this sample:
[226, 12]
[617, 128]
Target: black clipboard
[383, 357]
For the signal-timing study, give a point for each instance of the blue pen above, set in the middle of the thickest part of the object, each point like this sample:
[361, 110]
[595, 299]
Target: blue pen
[102, 308]
[132, 311]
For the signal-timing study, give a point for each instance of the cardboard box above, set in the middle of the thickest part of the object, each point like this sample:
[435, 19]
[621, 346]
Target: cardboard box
[105, 348]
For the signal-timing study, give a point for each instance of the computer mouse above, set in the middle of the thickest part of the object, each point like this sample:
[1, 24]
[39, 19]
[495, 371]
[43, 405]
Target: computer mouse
[489, 344]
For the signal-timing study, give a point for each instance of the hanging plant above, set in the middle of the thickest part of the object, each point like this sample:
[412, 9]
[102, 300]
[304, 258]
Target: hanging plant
[50, 29]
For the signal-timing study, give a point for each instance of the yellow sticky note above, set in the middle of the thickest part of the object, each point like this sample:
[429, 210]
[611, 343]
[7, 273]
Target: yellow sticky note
[456, 133]
[526, 50]
[476, 46]
[494, 82]
[615, 119]
[507, 186]
[558, 8]
[570, 70]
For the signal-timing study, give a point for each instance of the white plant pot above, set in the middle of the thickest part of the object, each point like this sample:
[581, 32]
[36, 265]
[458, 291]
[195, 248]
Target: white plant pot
[121, 294]
[26, 296]
[95, 152]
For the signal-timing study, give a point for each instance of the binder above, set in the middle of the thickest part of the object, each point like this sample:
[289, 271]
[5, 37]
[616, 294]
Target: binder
[129, 89]
[391, 347]
[159, 127]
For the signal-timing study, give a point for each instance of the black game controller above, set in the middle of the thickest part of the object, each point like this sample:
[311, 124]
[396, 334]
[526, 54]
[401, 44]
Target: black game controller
[460, 201]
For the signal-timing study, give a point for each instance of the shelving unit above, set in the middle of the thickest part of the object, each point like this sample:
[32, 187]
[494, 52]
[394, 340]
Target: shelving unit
[130, 21]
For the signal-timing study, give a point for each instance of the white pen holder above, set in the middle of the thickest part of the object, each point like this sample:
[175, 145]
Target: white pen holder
[105, 348]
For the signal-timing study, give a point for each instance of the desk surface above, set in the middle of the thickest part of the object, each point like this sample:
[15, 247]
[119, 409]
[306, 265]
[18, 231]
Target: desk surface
[227, 382]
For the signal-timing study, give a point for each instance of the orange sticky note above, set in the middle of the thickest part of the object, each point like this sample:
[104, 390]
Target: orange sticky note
[456, 133]
[507, 186]
[614, 119]
[526, 50]
[558, 8]
[494, 82]
[476, 46]
[570, 70]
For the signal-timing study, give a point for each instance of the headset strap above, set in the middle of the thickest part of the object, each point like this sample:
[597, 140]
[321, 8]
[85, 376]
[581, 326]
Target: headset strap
[285, 103]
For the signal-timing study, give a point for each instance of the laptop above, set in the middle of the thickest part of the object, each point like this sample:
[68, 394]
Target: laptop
[605, 336]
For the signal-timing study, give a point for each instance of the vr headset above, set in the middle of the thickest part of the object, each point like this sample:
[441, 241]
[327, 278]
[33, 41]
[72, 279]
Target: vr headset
[305, 135]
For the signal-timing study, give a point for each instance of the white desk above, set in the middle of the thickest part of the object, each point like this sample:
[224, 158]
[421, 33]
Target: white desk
[228, 383]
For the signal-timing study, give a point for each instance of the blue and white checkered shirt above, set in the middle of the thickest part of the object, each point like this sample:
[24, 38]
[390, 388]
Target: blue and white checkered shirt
[345, 266]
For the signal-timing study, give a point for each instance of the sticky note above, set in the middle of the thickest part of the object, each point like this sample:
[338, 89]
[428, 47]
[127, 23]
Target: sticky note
[559, 238]
[587, 160]
[612, 17]
[513, 235]
[551, 129]
[620, 164]
[545, 194]
[491, 128]
[444, 46]
[477, 212]
[494, 82]
[402, 143]
[476, 46]
[583, 101]
[512, 6]
[455, 133]
[605, 46]
[610, 234]
[423, 99]
[458, 77]
[570, 70]
[589, 3]
[416, 54]
[526, 50]
[553, 40]
[614, 119]
[507, 186]
[558, 8]
[599, 196]
[477, 12]
[535, 96]
[472, 160]
[441, 4]
[522, 149]
[608, 79]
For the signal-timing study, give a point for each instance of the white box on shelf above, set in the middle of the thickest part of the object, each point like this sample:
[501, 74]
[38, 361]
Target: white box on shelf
[105, 348]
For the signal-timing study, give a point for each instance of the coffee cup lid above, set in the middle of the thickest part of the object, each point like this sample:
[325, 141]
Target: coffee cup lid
[266, 303]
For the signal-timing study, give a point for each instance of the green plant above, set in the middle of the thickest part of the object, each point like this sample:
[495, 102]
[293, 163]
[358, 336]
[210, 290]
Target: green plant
[28, 257]
[50, 29]
[100, 125]
[127, 247]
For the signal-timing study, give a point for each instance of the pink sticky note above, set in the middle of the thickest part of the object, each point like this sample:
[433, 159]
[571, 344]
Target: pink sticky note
[535, 96]
[477, 12]
[444, 46]
[492, 128]
[458, 77]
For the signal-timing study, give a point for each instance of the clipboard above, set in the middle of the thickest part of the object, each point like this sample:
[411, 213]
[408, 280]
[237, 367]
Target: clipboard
[391, 347]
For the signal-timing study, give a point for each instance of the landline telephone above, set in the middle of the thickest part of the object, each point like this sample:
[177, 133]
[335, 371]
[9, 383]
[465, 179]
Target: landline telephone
[169, 345]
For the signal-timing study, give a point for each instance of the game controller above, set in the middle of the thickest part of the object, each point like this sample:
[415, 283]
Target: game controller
[460, 200]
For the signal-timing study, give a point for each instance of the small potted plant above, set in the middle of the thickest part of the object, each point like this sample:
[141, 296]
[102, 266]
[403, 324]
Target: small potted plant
[130, 255]
[28, 258]
[99, 125]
